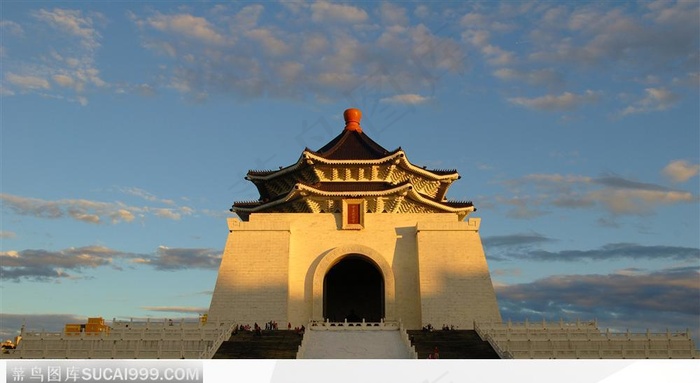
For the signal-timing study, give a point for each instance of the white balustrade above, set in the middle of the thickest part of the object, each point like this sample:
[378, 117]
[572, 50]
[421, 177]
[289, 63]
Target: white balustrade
[581, 340]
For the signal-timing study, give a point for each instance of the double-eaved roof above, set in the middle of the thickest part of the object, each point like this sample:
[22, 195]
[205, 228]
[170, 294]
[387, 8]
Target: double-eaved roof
[352, 165]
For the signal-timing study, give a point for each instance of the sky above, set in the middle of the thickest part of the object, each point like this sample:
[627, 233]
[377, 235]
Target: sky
[127, 129]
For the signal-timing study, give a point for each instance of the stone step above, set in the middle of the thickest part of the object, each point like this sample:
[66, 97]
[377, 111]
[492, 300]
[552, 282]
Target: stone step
[354, 344]
[279, 344]
[451, 344]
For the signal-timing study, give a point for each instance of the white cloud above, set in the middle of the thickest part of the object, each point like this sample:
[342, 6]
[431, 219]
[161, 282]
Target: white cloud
[615, 195]
[72, 22]
[617, 37]
[11, 27]
[194, 27]
[674, 13]
[167, 213]
[326, 12]
[289, 71]
[247, 17]
[46, 264]
[27, 82]
[65, 55]
[421, 11]
[494, 54]
[630, 201]
[393, 14]
[324, 60]
[557, 178]
[95, 212]
[167, 258]
[7, 235]
[5, 91]
[659, 300]
[545, 77]
[681, 171]
[409, 98]
[564, 101]
[272, 44]
[145, 195]
[176, 309]
[63, 80]
[655, 99]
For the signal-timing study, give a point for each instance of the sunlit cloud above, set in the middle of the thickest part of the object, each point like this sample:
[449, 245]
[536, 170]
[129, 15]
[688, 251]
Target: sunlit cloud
[226, 49]
[409, 98]
[69, 63]
[655, 99]
[47, 265]
[319, 60]
[176, 309]
[72, 263]
[681, 171]
[167, 258]
[544, 77]
[327, 12]
[188, 26]
[564, 101]
[145, 195]
[608, 252]
[28, 82]
[11, 27]
[515, 240]
[7, 234]
[657, 300]
[88, 211]
[612, 193]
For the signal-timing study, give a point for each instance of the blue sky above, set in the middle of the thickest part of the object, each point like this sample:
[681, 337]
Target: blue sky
[127, 129]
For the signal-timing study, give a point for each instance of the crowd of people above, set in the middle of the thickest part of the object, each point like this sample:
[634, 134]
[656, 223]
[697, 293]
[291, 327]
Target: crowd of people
[429, 327]
[269, 326]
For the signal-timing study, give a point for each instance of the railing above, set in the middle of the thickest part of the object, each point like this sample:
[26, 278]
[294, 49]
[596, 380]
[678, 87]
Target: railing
[503, 354]
[96, 349]
[142, 333]
[582, 340]
[209, 352]
[360, 326]
[132, 339]
[412, 354]
[301, 350]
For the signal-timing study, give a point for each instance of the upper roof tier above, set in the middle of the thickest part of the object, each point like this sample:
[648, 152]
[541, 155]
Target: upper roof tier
[352, 164]
[352, 142]
[351, 145]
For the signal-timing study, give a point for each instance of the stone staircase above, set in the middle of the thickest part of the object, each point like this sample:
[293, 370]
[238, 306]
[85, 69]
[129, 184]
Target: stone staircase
[451, 344]
[355, 343]
[279, 344]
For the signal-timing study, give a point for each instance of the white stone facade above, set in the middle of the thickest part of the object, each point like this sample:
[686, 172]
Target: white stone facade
[432, 265]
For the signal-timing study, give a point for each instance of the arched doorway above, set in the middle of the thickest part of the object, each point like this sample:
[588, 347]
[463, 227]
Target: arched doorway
[354, 289]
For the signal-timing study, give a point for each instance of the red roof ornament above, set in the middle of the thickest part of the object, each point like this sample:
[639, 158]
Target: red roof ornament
[352, 119]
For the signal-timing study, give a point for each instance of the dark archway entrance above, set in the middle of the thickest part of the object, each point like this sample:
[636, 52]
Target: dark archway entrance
[354, 289]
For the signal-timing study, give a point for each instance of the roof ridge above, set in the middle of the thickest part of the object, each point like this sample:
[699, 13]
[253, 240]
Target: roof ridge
[352, 144]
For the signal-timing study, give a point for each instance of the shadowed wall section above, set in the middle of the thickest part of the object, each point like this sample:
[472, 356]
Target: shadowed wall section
[252, 285]
[455, 284]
